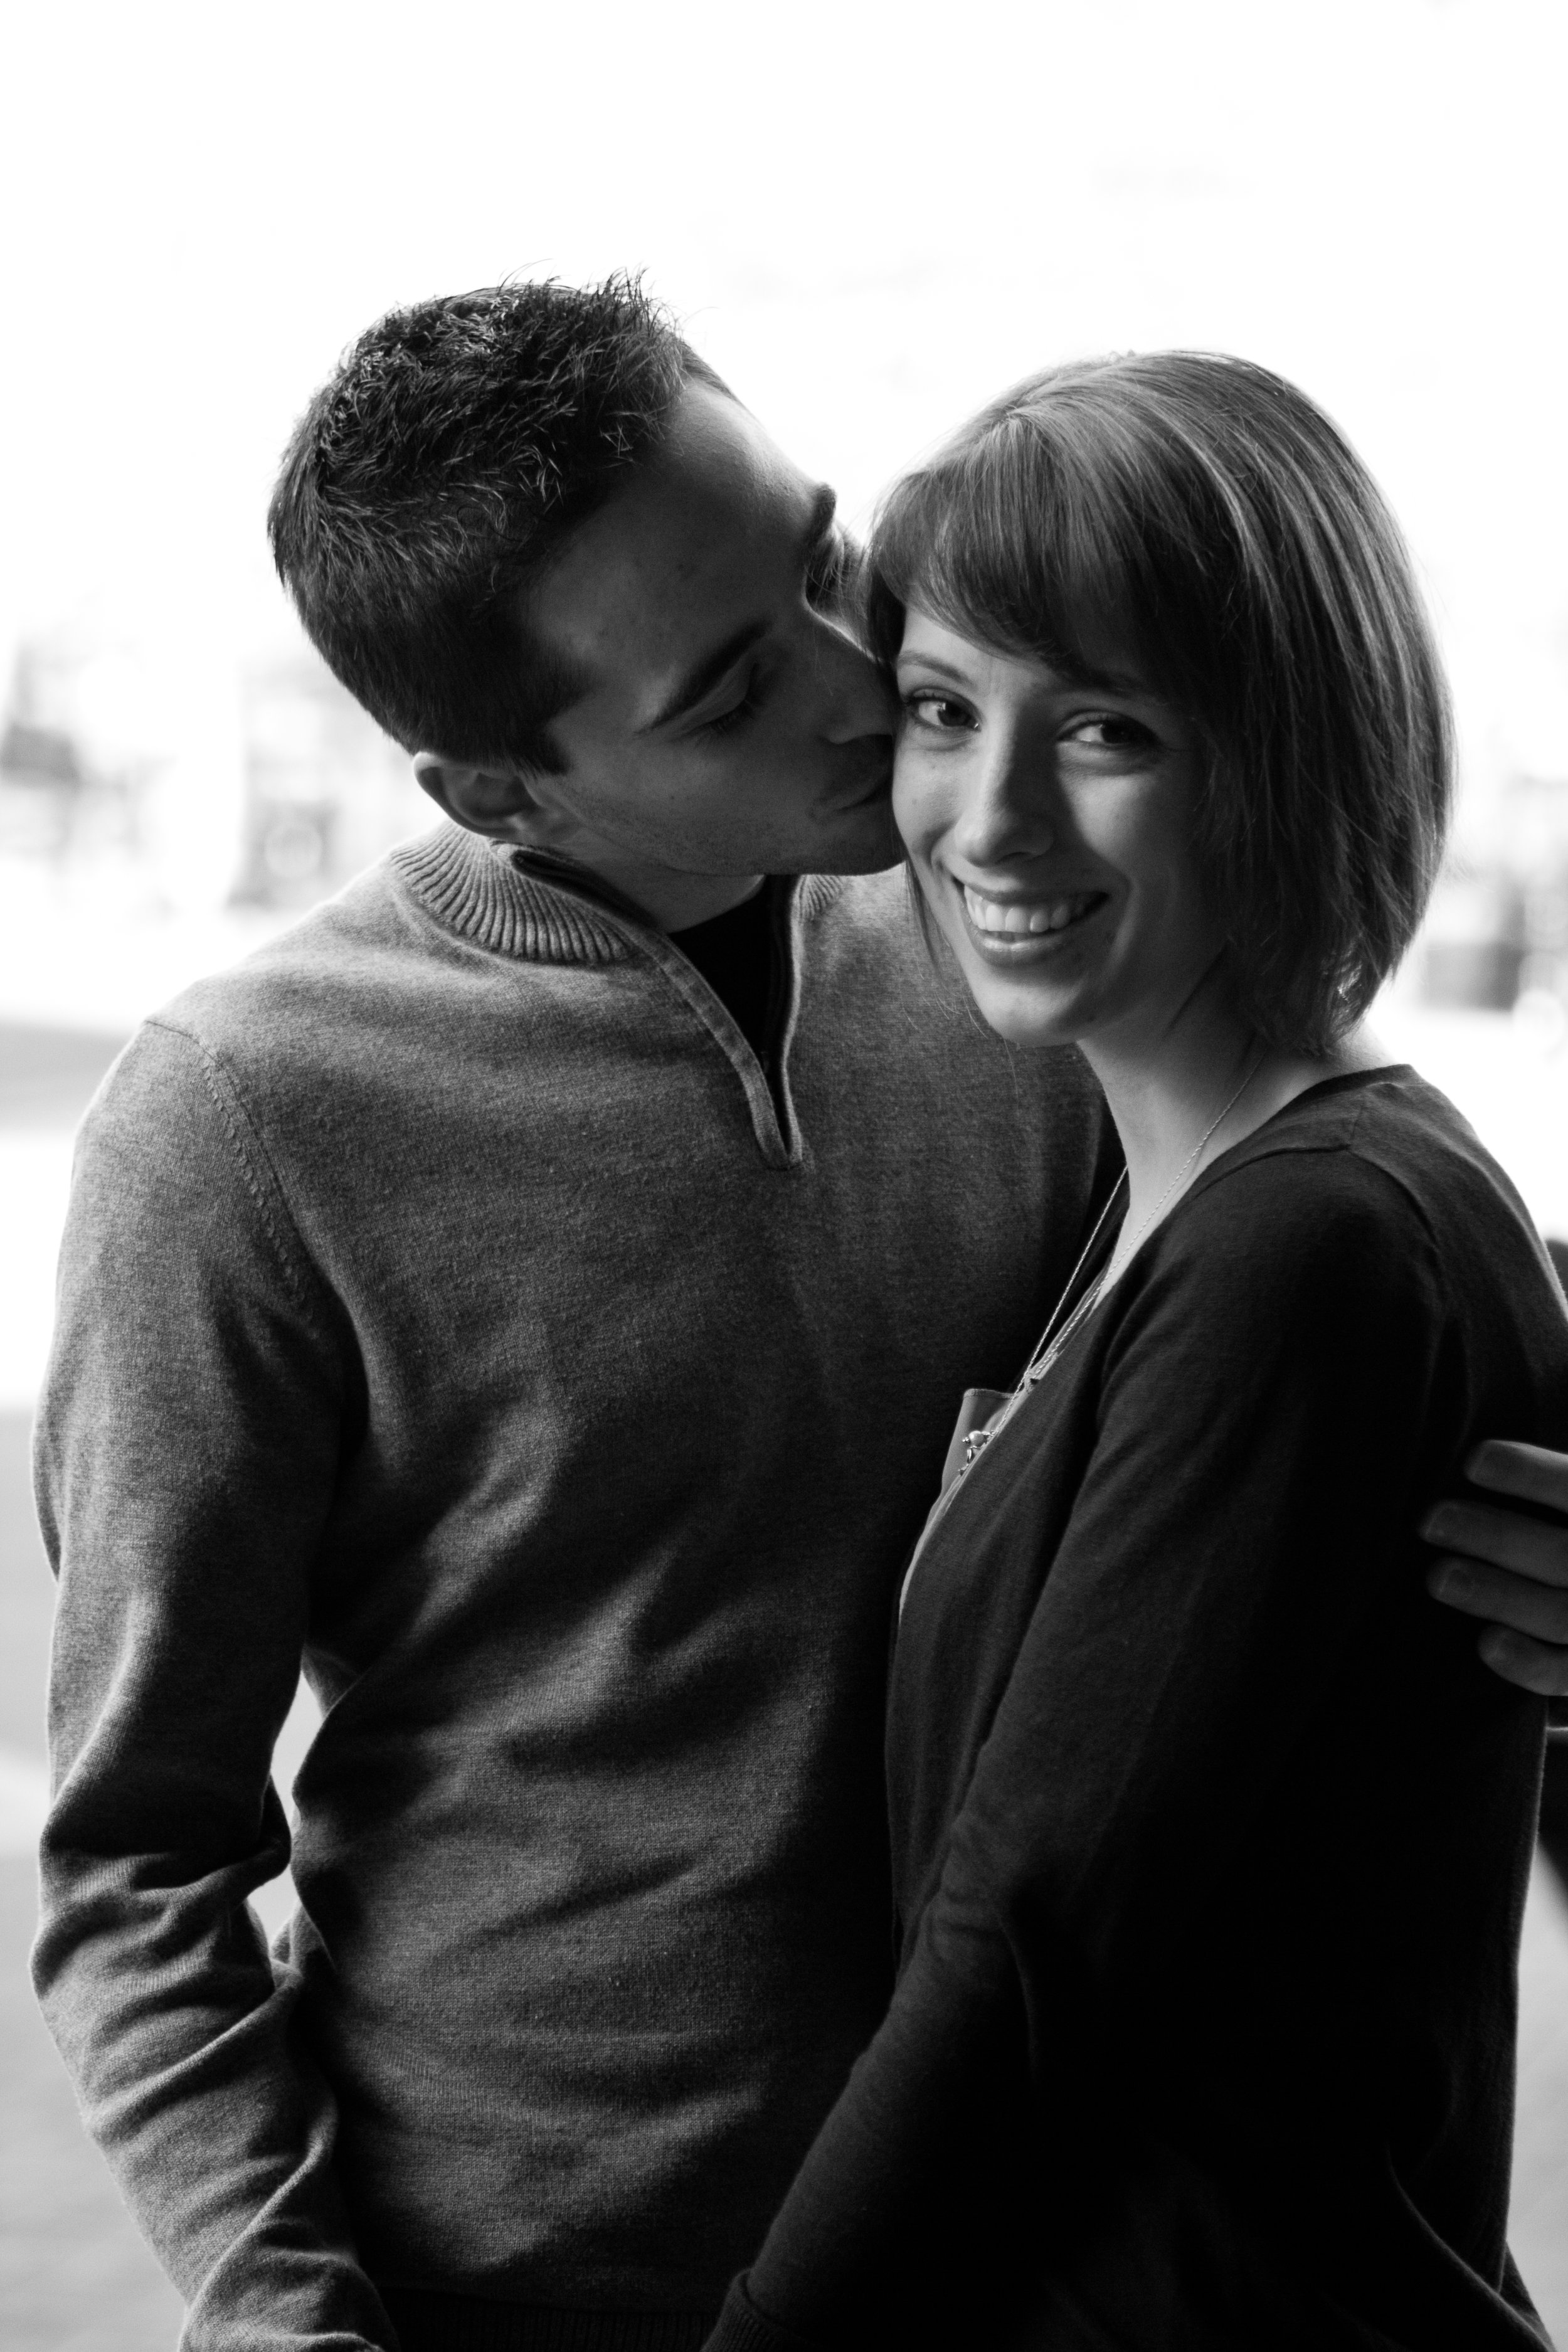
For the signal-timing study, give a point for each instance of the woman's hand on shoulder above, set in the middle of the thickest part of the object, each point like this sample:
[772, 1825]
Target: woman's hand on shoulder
[1507, 1566]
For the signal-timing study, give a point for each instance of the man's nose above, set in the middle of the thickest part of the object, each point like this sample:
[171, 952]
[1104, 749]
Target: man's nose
[859, 697]
[1008, 808]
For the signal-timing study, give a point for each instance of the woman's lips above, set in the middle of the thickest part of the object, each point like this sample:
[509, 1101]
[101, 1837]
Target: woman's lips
[1021, 930]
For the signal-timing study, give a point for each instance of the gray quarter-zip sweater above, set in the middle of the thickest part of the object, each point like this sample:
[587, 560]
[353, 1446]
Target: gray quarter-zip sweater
[449, 1299]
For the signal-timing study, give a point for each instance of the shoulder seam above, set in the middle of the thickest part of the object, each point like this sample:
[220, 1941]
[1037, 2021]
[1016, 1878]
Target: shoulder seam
[1282, 1149]
[237, 1125]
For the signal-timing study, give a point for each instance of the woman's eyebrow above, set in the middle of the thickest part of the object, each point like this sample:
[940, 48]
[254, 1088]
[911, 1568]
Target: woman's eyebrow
[934, 661]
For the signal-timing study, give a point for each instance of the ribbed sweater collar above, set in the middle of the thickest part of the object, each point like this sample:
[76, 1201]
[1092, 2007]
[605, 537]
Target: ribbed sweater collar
[489, 893]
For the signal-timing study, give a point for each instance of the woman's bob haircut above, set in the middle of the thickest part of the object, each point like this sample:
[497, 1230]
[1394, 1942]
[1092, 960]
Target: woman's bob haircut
[1199, 518]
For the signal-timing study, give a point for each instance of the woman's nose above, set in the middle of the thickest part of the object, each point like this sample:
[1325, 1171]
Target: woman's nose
[1007, 810]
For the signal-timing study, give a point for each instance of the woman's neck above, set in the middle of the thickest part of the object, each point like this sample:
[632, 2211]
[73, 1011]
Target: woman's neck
[1185, 1096]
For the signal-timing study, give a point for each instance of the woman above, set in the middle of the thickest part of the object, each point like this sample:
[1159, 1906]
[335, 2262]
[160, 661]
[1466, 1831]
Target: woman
[1173, 778]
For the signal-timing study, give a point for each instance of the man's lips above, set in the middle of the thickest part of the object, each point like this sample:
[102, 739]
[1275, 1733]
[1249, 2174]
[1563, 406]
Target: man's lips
[1017, 929]
[870, 778]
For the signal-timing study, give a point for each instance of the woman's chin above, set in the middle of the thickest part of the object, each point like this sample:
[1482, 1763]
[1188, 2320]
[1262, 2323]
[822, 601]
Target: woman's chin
[1031, 1016]
[1032, 1002]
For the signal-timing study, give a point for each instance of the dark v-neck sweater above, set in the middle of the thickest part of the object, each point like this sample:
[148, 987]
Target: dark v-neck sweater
[449, 1295]
[1210, 1832]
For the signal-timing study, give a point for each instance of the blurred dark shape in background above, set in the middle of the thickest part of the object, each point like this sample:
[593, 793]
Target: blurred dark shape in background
[325, 792]
[88, 733]
[51, 789]
[1473, 951]
[1497, 936]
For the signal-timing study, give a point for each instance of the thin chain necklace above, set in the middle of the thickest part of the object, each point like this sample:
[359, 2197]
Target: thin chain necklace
[1053, 1340]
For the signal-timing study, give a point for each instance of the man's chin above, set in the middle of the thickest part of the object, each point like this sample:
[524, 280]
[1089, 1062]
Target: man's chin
[861, 840]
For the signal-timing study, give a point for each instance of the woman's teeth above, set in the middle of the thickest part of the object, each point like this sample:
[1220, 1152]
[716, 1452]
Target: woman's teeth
[1025, 918]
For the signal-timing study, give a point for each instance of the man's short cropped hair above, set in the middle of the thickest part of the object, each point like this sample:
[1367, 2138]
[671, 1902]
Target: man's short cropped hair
[436, 475]
[1199, 517]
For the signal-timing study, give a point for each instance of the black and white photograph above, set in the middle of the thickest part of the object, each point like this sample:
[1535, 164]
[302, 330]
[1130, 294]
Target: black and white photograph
[783, 1177]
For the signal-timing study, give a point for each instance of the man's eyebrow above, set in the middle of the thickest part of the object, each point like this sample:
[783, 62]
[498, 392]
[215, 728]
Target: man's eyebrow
[712, 669]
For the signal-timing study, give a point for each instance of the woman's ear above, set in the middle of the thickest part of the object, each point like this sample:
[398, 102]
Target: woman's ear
[500, 802]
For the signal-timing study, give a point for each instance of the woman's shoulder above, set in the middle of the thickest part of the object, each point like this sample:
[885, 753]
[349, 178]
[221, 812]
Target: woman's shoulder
[1360, 1237]
[1342, 1135]
[1374, 1176]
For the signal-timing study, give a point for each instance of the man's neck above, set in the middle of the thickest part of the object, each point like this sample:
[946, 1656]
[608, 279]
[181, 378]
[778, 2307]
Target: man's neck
[699, 898]
[672, 901]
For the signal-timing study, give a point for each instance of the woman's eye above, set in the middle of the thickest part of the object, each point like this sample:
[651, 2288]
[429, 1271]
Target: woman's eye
[939, 711]
[1109, 730]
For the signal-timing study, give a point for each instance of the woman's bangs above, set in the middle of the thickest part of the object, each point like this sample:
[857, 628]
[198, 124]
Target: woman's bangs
[993, 544]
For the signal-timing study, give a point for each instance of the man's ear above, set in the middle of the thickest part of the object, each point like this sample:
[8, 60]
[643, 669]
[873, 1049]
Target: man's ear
[498, 802]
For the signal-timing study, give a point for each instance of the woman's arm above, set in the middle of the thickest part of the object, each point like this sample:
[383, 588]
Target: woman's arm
[1275, 1393]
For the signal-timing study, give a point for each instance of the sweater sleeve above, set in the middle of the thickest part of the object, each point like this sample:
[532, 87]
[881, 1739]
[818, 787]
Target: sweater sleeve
[1264, 1405]
[186, 1453]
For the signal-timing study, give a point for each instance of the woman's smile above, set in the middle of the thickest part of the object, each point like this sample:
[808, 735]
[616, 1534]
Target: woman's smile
[1008, 928]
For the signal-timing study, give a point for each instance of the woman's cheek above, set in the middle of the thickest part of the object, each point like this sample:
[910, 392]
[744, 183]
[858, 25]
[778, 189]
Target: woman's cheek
[918, 804]
[908, 814]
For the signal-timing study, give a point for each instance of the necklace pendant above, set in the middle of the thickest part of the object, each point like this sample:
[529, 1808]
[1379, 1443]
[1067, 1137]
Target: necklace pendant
[975, 1445]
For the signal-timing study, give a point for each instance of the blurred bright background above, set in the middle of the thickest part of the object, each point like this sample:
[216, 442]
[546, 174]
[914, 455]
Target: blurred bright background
[869, 218]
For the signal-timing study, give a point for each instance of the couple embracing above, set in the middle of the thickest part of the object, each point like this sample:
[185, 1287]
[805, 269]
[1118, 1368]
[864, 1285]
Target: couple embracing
[538, 1290]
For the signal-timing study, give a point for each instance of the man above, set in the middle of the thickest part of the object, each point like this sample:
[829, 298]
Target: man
[536, 1291]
